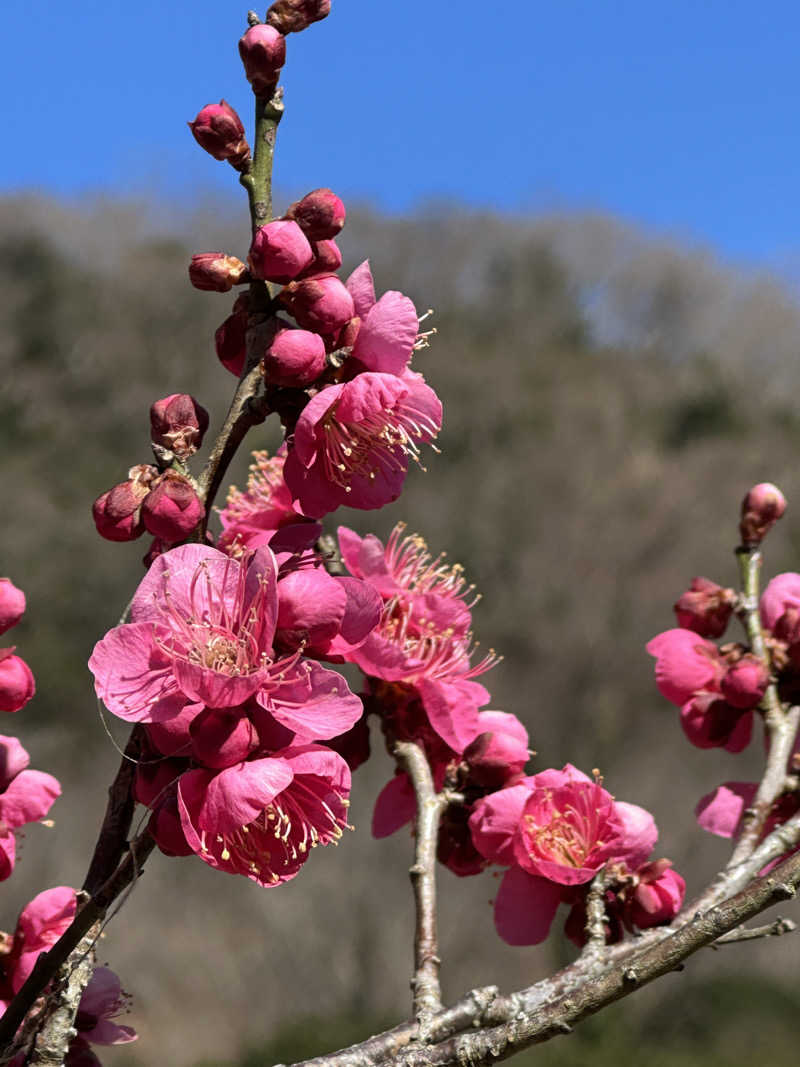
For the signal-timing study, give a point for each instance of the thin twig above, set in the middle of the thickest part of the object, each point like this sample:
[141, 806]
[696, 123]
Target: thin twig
[781, 726]
[430, 806]
[753, 933]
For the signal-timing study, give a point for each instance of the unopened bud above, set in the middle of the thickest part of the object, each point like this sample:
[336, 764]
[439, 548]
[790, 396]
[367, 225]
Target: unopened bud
[222, 737]
[319, 214]
[279, 252]
[761, 509]
[216, 272]
[178, 423]
[295, 358]
[12, 604]
[263, 52]
[292, 16]
[17, 685]
[327, 259]
[219, 130]
[745, 682]
[705, 608]
[172, 508]
[230, 339]
[117, 513]
[321, 304]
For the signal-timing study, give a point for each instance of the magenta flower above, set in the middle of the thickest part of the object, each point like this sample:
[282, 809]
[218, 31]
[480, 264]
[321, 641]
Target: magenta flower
[262, 817]
[353, 442]
[557, 829]
[202, 633]
[40, 924]
[328, 616]
[709, 721]
[12, 604]
[102, 1001]
[25, 796]
[17, 684]
[389, 326]
[780, 598]
[685, 664]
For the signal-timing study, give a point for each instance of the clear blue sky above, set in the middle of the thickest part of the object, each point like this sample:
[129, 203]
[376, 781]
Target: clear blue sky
[681, 114]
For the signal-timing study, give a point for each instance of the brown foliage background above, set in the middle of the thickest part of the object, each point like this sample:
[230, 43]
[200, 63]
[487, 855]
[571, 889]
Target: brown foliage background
[609, 397]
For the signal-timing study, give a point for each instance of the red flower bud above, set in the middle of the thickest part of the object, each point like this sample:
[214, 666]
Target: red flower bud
[295, 358]
[216, 272]
[745, 682]
[172, 508]
[178, 423]
[761, 509]
[291, 16]
[705, 608]
[320, 215]
[117, 513]
[12, 604]
[263, 52]
[222, 737]
[16, 681]
[279, 252]
[321, 304]
[327, 259]
[658, 897]
[219, 130]
[230, 340]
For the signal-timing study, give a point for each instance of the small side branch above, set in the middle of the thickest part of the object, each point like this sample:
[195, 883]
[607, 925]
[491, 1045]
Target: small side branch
[753, 933]
[430, 806]
[53, 1039]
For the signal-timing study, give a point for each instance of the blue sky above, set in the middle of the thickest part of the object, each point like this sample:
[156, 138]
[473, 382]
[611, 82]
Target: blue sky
[679, 114]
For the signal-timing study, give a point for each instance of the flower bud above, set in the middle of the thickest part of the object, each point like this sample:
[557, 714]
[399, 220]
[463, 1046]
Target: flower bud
[216, 272]
[327, 259]
[12, 604]
[658, 897]
[178, 424]
[219, 130]
[117, 513]
[321, 304]
[279, 252]
[172, 508]
[295, 358]
[16, 681]
[320, 215]
[222, 737]
[230, 340]
[705, 608]
[263, 52]
[292, 16]
[745, 682]
[761, 509]
[166, 829]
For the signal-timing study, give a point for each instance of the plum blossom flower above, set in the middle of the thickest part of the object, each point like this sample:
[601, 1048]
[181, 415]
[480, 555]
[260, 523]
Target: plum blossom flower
[262, 817]
[201, 633]
[25, 796]
[389, 327]
[353, 441]
[12, 604]
[554, 830]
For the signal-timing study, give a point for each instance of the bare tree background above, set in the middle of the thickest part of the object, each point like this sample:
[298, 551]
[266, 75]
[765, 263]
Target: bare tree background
[609, 397]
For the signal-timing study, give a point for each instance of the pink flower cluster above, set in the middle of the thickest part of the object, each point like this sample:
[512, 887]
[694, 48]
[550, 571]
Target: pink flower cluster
[165, 504]
[41, 923]
[555, 831]
[17, 685]
[215, 662]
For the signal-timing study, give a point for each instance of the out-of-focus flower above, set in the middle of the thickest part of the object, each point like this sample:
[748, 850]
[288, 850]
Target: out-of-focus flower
[761, 509]
[12, 604]
[705, 608]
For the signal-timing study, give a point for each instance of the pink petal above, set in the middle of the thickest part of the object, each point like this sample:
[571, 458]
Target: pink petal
[452, 712]
[13, 759]
[224, 802]
[495, 820]
[311, 604]
[28, 798]
[388, 334]
[216, 690]
[396, 805]
[685, 664]
[781, 593]
[525, 907]
[175, 571]
[316, 703]
[362, 289]
[131, 676]
[720, 812]
[639, 836]
[261, 592]
[363, 610]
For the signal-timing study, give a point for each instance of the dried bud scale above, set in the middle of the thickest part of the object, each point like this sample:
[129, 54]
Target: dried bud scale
[292, 16]
[216, 272]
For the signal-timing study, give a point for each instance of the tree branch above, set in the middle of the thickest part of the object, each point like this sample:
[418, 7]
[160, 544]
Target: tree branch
[430, 806]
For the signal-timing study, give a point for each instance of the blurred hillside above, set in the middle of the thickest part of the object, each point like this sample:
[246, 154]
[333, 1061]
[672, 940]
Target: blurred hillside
[608, 399]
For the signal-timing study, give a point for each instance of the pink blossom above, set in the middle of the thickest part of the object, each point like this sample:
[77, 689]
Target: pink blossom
[781, 595]
[685, 664]
[17, 684]
[353, 441]
[389, 327]
[41, 923]
[279, 252]
[101, 1002]
[499, 753]
[761, 509]
[328, 616]
[12, 604]
[657, 897]
[705, 608]
[709, 721]
[261, 818]
[320, 214]
[201, 632]
[25, 796]
[263, 52]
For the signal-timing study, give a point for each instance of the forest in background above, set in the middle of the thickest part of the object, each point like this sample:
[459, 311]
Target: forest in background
[609, 397]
